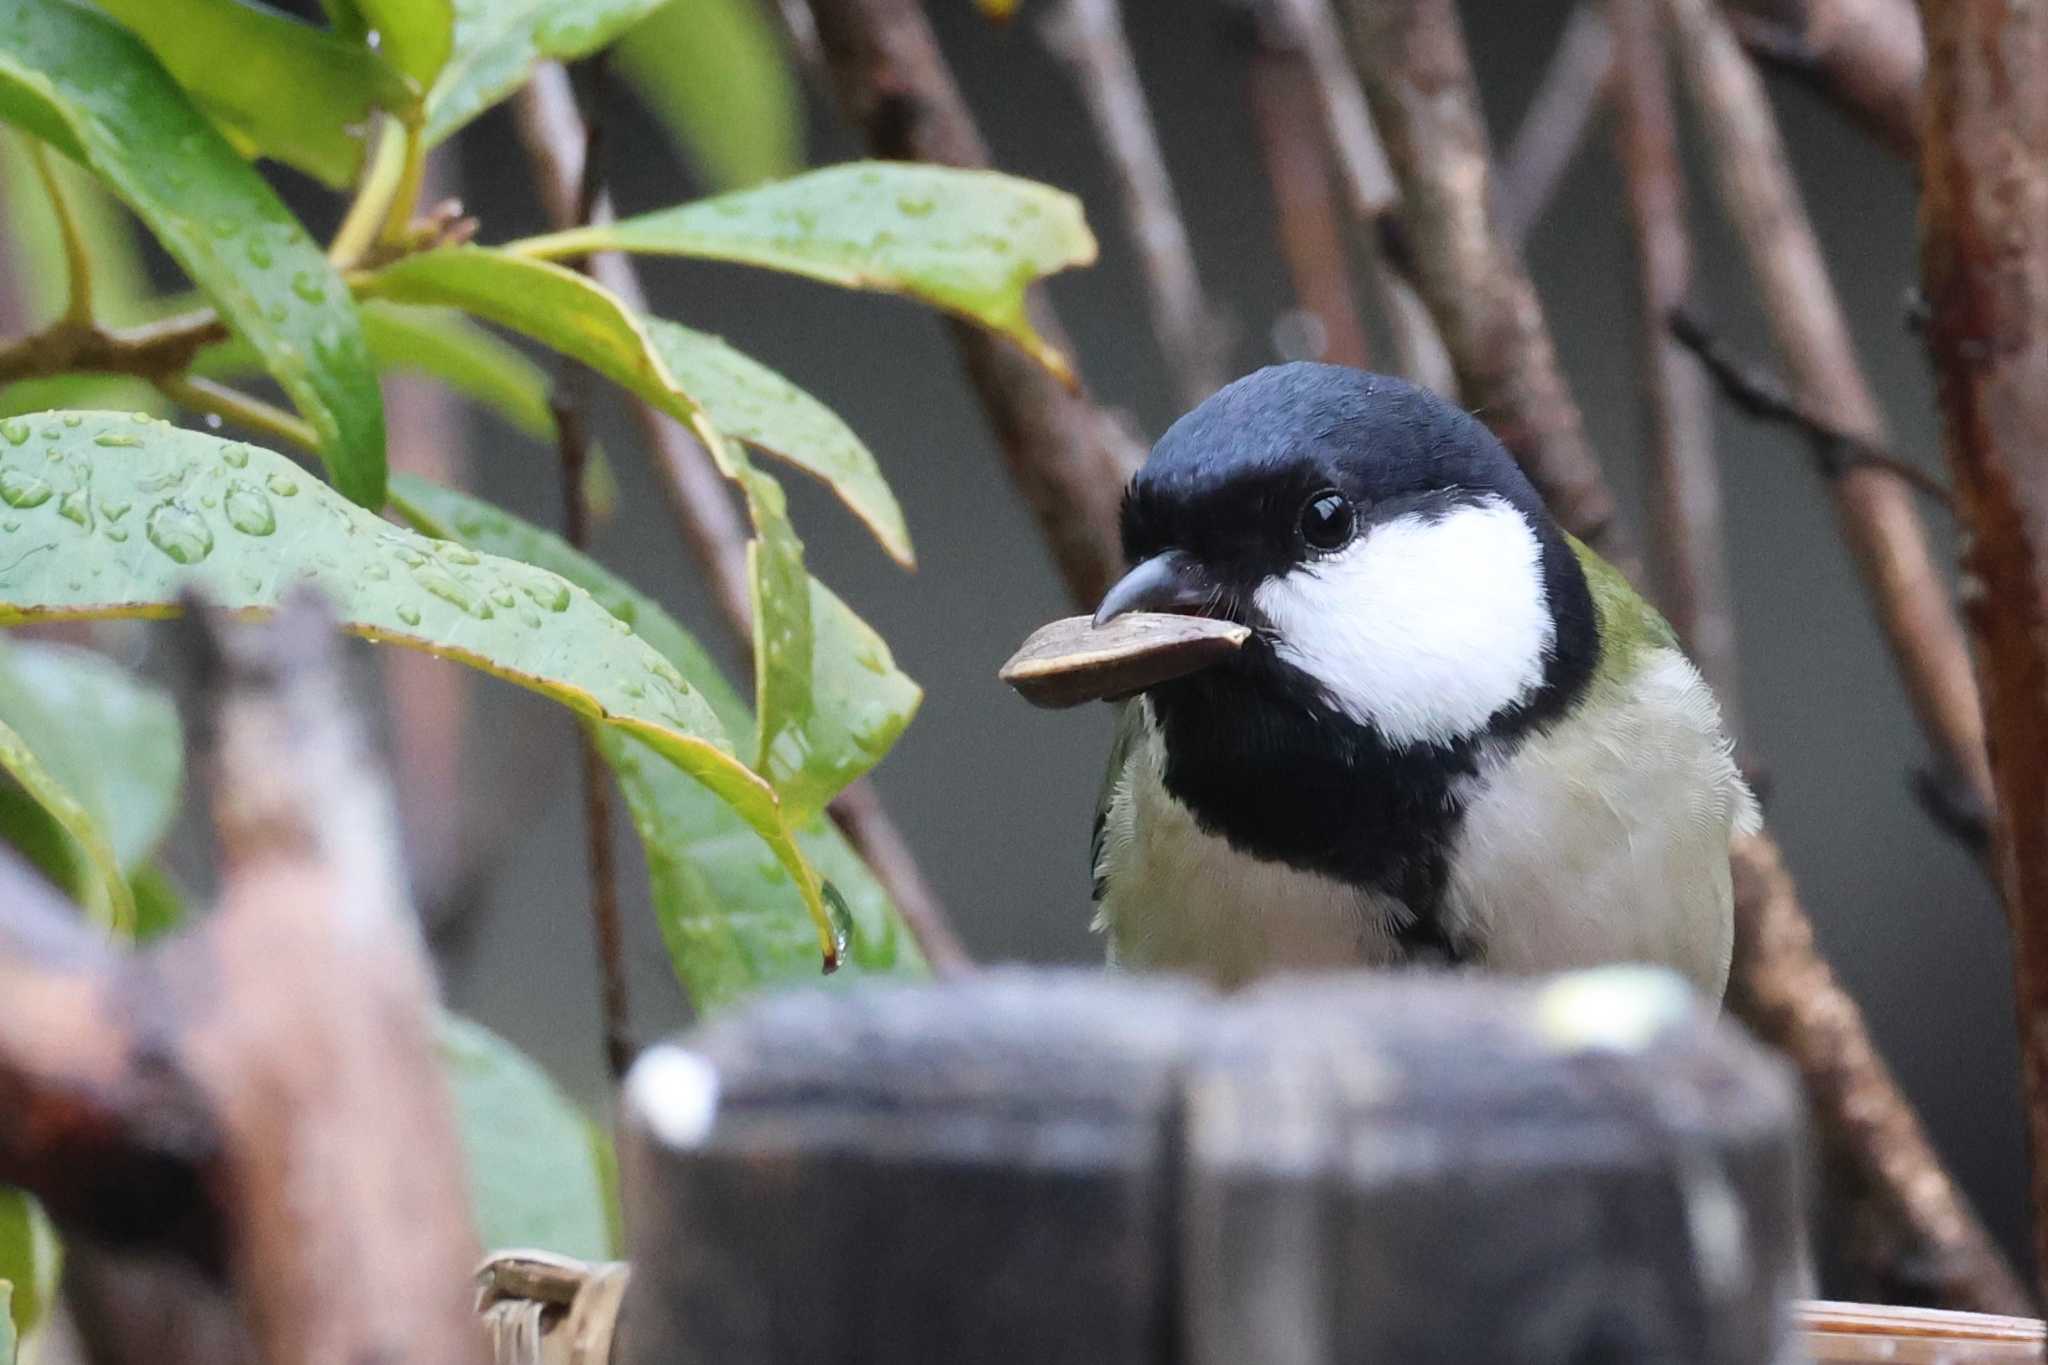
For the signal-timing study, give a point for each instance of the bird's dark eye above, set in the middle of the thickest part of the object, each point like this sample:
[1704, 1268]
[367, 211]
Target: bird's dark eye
[1326, 520]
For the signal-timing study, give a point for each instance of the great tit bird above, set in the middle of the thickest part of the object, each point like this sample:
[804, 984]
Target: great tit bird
[1454, 736]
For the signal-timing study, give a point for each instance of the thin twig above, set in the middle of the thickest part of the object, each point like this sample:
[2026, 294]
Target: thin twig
[1984, 268]
[77, 259]
[1068, 459]
[1294, 146]
[1875, 507]
[1088, 38]
[1689, 549]
[1554, 126]
[1866, 56]
[1762, 395]
[572, 440]
[152, 350]
[702, 504]
[231, 404]
[1369, 184]
[1425, 104]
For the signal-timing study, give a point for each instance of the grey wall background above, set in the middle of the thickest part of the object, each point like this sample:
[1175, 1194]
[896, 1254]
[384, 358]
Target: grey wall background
[996, 796]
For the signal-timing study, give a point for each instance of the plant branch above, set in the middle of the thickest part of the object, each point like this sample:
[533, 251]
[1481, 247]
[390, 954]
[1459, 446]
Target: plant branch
[1369, 185]
[375, 196]
[1554, 126]
[701, 502]
[1689, 562]
[1874, 505]
[405, 197]
[77, 259]
[151, 351]
[1984, 269]
[1419, 84]
[232, 405]
[1295, 149]
[572, 439]
[1087, 36]
[1867, 56]
[1762, 395]
[1065, 455]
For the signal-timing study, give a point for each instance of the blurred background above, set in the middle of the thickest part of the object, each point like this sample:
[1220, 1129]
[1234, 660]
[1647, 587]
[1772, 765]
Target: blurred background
[995, 796]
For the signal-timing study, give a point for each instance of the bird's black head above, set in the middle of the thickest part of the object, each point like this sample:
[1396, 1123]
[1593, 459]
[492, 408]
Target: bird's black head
[1397, 567]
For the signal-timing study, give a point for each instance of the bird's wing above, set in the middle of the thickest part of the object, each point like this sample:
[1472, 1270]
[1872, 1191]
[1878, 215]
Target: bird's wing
[1629, 625]
[1130, 726]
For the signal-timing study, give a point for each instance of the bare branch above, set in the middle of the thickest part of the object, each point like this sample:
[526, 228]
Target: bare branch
[1865, 55]
[1295, 149]
[702, 504]
[1911, 1237]
[1984, 268]
[1369, 183]
[1689, 560]
[1067, 458]
[1088, 38]
[1756, 391]
[1554, 126]
[1875, 506]
[1419, 83]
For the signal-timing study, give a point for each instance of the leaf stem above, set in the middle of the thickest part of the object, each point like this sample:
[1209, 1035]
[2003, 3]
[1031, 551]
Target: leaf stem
[374, 197]
[203, 395]
[411, 176]
[77, 260]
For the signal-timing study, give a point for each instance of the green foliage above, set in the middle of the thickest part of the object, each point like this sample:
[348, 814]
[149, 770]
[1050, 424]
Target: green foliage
[536, 1178]
[970, 242]
[334, 85]
[498, 43]
[714, 73]
[77, 80]
[29, 1261]
[6, 1322]
[101, 758]
[417, 36]
[733, 921]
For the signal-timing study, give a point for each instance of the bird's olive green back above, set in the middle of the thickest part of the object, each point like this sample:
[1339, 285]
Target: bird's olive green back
[1629, 626]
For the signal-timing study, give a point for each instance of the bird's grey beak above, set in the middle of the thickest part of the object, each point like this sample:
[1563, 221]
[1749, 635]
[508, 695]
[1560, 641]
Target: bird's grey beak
[1173, 581]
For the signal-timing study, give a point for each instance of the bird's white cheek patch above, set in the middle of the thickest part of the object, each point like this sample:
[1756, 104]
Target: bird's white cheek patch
[1421, 629]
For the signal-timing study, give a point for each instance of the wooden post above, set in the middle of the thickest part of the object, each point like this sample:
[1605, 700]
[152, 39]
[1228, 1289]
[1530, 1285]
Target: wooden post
[1053, 1167]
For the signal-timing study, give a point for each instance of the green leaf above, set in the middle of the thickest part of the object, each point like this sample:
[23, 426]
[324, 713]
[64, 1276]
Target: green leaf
[733, 921]
[970, 242]
[114, 741]
[417, 36]
[92, 534]
[534, 1176]
[498, 43]
[745, 399]
[439, 343]
[106, 894]
[29, 1260]
[290, 90]
[159, 903]
[714, 72]
[76, 78]
[6, 1322]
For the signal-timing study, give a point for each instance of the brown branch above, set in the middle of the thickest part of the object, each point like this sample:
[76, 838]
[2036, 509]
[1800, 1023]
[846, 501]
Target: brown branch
[1911, 1235]
[702, 504]
[1762, 395]
[1369, 185]
[1087, 36]
[1424, 102]
[1875, 508]
[1690, 544]
[1295, 150]
[153, 351]
[1984, 269]
[1556, 121]
[572, 441]
[1068, 459]
[259, 1097]
[1867, 56]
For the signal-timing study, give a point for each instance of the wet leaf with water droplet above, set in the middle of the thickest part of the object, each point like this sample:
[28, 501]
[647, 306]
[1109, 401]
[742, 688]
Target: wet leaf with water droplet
[498, 42]
[961, 240]
[732, 918]
[74, 77]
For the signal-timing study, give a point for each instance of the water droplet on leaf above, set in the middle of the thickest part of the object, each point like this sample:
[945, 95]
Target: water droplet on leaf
[249, 511]
[179, 532]
[21, 489]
